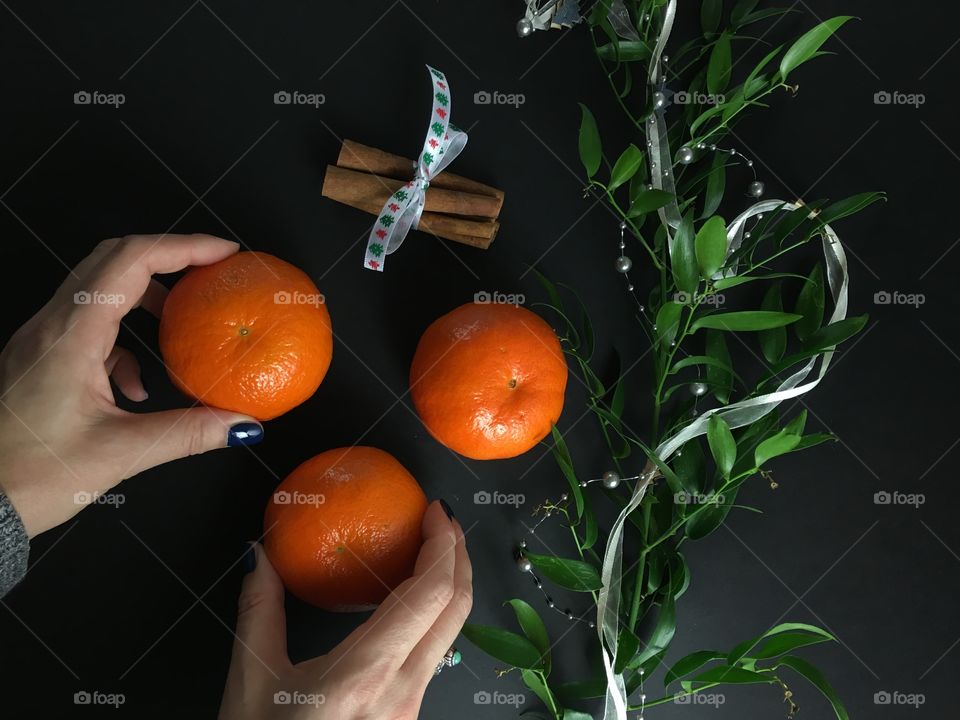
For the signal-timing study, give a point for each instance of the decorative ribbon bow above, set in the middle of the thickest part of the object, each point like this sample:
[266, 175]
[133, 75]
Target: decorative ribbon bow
[403, 209]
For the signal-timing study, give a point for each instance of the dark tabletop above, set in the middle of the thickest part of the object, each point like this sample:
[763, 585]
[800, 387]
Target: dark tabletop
[140, 599]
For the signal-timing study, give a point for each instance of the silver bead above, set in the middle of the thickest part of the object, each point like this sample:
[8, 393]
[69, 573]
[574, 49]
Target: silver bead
[623, 264]
[749, 163]
[630, 288]
[524, 564]
[659, 100]
[611, 479]
[760, 216]
[524, 27]
[756, 188]
[685, 156]
[523, 543]
[592, 624]
[665, 58]
[747, 235]
[698, 388]
[583, 483]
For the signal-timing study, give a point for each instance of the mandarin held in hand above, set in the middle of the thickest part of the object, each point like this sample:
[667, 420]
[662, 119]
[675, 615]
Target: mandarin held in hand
[250, 333]
[344, 528]
[488, 379]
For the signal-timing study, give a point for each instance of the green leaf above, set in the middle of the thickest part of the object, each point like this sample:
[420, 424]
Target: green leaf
[710, 12]
[625, 167]
[689, 663]
[848, 206]
[589, 142]
[694, 360]
[532, 625]
[780, 444]
[722, 445]
[569, 714]
[809, 441]
[691, 468]
[648, 201]
[727, 283]
[627, 646]
[745, 647]
[744, 321]
[795, 426]
[816, 678]
[718, 70]
[773, 342]
[562, 455]
[535, 681]
[503, 645]
[809, 44]
[711, 246]
[835, 333]
[668, 322]
[810, 303]
[741, 10]
[624, 51]
[683, 260]
[755, 73]
[720, 381]
[780, 644]
[716, 185]
[663, 631]
[733, 675]
[571, 574]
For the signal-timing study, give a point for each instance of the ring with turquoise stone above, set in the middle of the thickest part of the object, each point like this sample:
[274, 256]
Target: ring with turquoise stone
[451, 658]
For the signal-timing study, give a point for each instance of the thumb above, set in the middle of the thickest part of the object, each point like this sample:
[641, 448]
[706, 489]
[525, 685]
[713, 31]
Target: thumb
[151, 439]
[261, 621]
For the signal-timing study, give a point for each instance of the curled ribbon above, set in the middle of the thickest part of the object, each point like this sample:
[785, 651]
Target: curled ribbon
[403, 209]
[736, 414]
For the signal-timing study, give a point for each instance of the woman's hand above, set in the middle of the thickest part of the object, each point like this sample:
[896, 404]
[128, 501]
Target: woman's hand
[63, 440]
[380, 670]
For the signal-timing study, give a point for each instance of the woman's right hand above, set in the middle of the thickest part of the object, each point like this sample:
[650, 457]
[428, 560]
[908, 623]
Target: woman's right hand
[381, 669]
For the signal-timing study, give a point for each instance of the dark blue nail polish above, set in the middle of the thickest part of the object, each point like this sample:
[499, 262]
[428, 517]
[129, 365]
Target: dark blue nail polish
[249, 561]
[245, 433]
[447, 509]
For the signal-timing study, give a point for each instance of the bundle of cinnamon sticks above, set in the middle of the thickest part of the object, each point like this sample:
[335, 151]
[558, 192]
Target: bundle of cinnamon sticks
[456, 208]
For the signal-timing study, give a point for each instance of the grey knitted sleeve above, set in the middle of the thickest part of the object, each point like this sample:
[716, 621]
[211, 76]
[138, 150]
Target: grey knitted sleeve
[14, 547]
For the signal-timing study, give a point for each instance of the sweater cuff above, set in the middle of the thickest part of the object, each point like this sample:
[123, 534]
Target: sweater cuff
[14, 546]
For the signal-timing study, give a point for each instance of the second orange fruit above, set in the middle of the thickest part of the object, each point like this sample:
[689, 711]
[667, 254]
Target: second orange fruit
[488, 380]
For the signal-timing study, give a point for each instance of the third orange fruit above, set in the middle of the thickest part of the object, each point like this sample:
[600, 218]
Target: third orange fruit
[250, 333]
[344, 528]
[488, 380]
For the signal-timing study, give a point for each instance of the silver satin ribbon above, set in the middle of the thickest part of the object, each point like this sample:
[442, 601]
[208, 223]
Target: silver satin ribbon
[736, 414]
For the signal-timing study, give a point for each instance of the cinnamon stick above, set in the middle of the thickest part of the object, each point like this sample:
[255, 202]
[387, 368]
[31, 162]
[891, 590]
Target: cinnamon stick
[356, 156]
[345, 185]
[361, 194]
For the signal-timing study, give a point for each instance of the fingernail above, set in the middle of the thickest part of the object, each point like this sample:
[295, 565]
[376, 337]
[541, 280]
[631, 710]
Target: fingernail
[245, 433]
[447, 509]
[249, 561]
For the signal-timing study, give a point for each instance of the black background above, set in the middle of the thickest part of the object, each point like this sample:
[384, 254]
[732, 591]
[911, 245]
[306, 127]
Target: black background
[141, 599]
